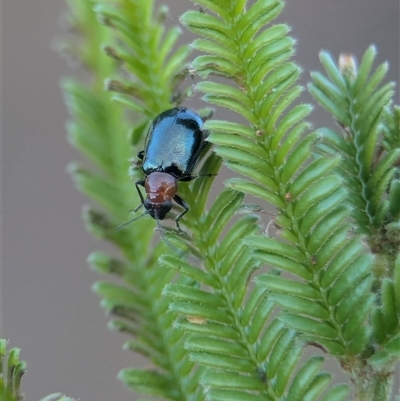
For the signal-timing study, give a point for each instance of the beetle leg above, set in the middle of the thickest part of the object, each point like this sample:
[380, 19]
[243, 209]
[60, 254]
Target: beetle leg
[188, 178]
[137, 183]
[194, 177]
[140, 154]
[206, 175]
[182, 203]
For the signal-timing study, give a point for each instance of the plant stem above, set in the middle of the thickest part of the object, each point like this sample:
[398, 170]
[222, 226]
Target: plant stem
[369, 384]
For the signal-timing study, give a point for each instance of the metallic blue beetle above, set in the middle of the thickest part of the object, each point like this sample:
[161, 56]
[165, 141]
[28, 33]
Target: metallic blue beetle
[172, 149]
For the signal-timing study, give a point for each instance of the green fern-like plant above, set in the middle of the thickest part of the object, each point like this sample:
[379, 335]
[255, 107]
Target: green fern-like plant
[370, 153]
[370, 146]
[330, 302]
[12, 370]
[100, 130]
[329, 277]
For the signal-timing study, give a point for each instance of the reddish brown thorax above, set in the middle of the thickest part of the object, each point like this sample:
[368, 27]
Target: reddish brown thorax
[160, 187]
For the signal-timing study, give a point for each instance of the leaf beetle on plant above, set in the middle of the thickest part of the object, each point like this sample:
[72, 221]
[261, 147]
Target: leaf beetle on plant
[173, 146]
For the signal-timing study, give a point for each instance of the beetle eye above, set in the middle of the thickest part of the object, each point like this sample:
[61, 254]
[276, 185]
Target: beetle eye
[147, 205]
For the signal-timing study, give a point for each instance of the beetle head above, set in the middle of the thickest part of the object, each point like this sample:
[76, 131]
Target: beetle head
[157, 210]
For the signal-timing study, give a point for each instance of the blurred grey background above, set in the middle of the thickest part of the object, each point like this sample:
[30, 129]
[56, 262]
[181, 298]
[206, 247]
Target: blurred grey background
[47, 307]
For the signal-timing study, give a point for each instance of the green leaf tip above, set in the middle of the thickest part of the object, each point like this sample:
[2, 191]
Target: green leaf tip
[11, 371]
[57, 397]
[362, 115]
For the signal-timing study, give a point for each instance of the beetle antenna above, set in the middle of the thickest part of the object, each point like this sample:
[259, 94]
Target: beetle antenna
[121, 226]
[163, 237]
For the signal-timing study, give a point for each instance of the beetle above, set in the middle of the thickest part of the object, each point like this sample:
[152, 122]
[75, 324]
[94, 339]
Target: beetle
[173, 146]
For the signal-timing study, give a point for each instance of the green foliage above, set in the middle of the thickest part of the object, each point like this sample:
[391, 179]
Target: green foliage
[370, 154]
[370, 147]
[226, 320]
[325, 293]
[277, 172]
[308, 196]
[386, 323]
[99, 129]
[11, 372]
[188, 301]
